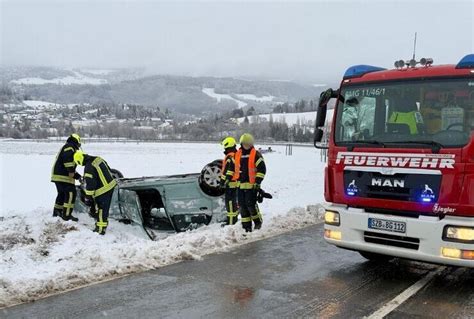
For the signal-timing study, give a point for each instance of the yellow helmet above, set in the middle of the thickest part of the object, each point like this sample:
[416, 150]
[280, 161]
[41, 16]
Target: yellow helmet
[79, 157]
[75, 138]
[247, 138]
[228, 142]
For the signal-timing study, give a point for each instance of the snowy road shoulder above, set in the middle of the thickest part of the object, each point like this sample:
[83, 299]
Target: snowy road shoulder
[42, 255]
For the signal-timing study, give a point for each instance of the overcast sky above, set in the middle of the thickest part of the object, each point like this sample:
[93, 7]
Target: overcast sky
[286, 40]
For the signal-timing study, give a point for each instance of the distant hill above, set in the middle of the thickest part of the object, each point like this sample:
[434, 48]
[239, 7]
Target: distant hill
[181, 94]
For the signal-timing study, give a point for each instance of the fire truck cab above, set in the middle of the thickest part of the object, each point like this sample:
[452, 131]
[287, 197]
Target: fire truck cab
[399, 180]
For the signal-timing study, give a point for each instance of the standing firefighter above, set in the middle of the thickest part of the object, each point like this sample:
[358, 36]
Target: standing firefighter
[99, 187]
[249, 172]
[228, 180]
[63, 176]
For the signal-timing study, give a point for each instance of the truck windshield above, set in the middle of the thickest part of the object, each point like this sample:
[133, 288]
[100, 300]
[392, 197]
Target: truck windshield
[428, 112]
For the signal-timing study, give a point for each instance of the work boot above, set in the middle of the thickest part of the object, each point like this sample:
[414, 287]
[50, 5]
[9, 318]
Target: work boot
[70, 217]
[57, 212]
[96, 230]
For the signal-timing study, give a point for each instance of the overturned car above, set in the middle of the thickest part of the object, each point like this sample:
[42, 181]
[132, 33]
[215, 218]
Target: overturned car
[165, 203]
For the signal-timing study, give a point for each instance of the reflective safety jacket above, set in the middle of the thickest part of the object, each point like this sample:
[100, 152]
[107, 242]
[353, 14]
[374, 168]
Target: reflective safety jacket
[98, 177]
[64, 164]
[228, 170]
[411, 119]
[250, 168]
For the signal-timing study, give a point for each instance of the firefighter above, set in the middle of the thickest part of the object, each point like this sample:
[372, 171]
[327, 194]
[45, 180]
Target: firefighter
[228, 181]
[249, 172]
[99, 187]
[63, 176]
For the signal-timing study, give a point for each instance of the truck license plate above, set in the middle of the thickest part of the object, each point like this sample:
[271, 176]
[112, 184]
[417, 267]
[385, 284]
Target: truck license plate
[388, 225]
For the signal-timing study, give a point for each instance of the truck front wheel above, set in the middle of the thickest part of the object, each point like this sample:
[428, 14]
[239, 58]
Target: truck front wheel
[374, 257]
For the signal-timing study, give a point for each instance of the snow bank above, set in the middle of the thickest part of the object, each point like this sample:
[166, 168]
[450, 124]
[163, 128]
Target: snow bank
[41, 255]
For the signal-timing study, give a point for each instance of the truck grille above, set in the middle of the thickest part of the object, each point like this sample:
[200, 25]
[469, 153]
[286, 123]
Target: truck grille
[392, 240]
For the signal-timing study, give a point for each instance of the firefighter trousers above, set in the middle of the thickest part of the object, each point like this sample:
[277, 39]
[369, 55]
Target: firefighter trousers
[231, 206]
[102, 203]
[249, 210]
[65, 199]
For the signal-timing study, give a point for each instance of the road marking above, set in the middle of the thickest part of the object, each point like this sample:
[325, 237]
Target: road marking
[405, 295]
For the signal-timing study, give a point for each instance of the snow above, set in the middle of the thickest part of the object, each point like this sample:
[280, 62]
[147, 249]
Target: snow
[78, 79]
[252, 97]
[211, 92]
[97, 71]
[66, 254]
[40, 104]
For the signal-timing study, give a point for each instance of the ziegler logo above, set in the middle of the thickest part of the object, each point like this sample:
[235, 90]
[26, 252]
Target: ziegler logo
[388, 182]
[396, 160]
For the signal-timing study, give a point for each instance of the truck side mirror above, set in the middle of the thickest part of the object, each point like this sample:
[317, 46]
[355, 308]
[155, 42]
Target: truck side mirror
[324, 98]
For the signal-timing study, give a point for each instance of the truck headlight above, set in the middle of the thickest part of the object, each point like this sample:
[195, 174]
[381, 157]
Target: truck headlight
[459, 234]
[332, 218]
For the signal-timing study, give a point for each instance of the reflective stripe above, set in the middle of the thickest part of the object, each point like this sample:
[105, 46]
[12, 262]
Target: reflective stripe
[70, 205]
[230, 173]
[57, 206]
[68, 149]
[261, 175]
[246, 219]
[106, 188]
[233, 185]
[87, 175]
[259, 161]
[96, 164]
[69, 164]
[89, 193]
[62, 179]
[246, 185]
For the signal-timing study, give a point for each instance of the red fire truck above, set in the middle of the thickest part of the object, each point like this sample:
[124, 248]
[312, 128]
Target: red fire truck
[400, 175]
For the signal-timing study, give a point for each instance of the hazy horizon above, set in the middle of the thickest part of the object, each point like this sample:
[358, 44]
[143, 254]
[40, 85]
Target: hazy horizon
[306, 41]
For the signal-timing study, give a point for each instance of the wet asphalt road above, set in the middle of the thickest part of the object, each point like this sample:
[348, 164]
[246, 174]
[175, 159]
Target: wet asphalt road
[295, 275]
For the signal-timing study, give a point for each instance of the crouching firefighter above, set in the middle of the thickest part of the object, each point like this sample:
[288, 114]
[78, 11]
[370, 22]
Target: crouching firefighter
[99, 187]
[63, 176]
[249, 172]
[228, 180]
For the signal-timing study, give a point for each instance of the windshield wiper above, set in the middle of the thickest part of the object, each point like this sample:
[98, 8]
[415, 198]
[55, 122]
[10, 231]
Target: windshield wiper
[370, 142]
[435, 146]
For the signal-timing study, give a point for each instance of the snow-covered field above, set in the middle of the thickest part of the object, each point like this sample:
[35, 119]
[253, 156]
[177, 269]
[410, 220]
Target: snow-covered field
[78, 79]
[41, 255]
[303, 118]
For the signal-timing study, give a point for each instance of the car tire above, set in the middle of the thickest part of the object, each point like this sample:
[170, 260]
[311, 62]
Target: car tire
[116, 173]
[374, 257]
[209, 179]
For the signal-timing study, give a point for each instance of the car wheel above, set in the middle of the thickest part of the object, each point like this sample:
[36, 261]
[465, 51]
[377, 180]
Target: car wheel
[209, 180]
[374, 257]
[116, 173]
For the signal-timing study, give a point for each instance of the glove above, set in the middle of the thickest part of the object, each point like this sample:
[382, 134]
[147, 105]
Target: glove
[256, 187]
[77, 176]
[89, 201]
[223, 183]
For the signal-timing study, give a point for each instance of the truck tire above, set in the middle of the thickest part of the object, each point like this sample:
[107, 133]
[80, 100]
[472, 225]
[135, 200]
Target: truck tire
[116, 173]
[374, 257]
[209, 180]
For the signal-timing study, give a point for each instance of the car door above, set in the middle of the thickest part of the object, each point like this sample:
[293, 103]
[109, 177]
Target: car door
[130, 210]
